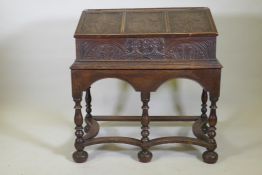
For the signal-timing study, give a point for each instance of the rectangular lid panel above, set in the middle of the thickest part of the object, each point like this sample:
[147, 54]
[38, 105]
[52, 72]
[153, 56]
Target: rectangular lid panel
[189, 21]
[135, 22]
[100, 23]
[144, 22]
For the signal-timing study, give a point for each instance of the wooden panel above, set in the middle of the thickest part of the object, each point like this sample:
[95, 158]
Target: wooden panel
[146, 22]
[101, 23]
[194, 21]
[147, 49]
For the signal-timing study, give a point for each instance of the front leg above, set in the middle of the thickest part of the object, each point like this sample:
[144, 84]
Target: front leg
[210, 156]
[145, 155]
[79, 155]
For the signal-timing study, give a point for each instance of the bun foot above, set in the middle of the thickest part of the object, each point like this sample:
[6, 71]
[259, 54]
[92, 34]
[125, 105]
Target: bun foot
[145, 156]
[210, 157]
[80, 156]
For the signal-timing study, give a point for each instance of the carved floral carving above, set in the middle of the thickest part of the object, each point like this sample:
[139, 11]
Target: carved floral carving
[147, 49]
[192, 50]
[105, 51]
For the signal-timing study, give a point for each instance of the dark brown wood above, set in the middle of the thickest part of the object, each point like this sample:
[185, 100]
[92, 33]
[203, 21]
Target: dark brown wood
[200, 126]
[210, 156]
[204, 99]
[88, 110]
[150, 143]
[147, 80]
[124, 140]
[145, 155]
[198, 129]
[92, 127]
[164, 22]
[178, 139]
[145, 65]
[152, 118]
[88, 100]
[146, 48]
[79, 155]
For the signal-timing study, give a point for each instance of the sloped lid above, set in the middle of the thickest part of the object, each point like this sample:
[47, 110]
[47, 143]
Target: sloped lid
[149, 22]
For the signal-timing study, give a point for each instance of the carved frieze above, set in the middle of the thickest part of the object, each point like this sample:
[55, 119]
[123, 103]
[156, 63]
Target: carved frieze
[147, 49]
[192, 50]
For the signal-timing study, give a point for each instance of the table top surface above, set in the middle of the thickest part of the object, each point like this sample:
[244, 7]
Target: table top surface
[150, 22]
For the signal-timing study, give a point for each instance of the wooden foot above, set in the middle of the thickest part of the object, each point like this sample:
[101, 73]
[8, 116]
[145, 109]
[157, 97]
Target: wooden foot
[210, 157]
[145, 156]
[80, 156]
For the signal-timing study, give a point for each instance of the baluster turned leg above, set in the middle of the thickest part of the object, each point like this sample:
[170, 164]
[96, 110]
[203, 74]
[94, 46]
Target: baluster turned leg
[92, 127]
[145, 155]
[210, 156]
[200, 126]
[88, 116]
[79, 155]
[204, 98]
